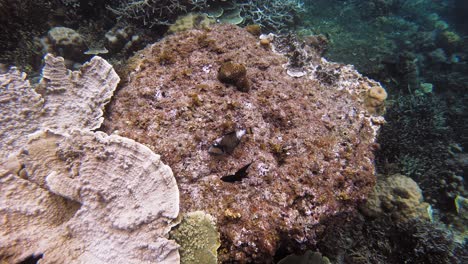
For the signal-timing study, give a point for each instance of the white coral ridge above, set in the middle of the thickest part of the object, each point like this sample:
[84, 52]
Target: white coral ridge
[63, 101]
[88, 198]
[71, 194]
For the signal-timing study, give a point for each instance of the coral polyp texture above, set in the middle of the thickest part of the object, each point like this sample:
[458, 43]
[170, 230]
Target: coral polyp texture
[87, 198]
[71, 195]
[64, 100]
[306, 156]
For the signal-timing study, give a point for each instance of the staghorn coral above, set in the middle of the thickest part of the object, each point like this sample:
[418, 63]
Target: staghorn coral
[21, 24]
[154, 13]
[88, 198]
[309, 144]
[273, 15]
[382, 240]
[63, 100]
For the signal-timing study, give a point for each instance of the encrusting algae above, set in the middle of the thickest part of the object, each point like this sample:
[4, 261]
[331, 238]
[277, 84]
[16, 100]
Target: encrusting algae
[287, 173]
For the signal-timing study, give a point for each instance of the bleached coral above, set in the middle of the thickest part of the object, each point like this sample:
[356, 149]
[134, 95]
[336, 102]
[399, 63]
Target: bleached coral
[63, 101]
[71, 194]
[88, 198]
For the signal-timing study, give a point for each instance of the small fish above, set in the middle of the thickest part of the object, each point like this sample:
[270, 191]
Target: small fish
[227, 143]
[238, 176]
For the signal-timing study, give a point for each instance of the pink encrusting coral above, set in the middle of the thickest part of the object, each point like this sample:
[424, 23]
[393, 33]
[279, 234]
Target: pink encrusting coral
[309, 144]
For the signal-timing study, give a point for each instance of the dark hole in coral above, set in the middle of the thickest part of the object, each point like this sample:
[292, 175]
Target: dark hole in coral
[33, 259]
[238, 176]
[281, 253]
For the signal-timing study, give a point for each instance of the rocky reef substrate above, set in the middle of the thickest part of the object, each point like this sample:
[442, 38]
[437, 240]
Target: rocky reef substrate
[305, 146]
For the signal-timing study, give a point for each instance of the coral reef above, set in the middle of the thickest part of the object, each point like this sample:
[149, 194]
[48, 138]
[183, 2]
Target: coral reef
[154, 13]
[88, 198]
[381, 240]
[416, 142]
[414, 50]
[198, 238]
[63, 101]
[70, 195]
[398, 196]
[307, 156]
[65, 42]
[21, 23]
[273, 15]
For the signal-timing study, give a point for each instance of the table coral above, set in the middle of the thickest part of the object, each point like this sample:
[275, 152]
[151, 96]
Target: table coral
[309, 144]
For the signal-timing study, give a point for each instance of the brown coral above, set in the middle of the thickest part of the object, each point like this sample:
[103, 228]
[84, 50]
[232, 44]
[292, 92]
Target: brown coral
[375, 99]
[254, 29]
[234, 73]
[309, 147]
[398, 196]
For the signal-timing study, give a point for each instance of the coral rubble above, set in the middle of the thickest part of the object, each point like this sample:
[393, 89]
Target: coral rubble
[307, 157]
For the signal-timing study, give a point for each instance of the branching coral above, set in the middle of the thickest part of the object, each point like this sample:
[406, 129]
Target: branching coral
[273, 15]
[417, 139]
[155, 12]
[361, 240]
